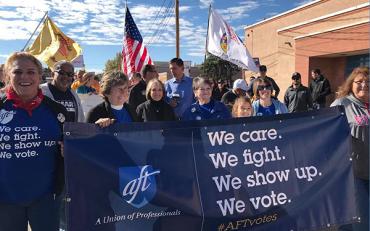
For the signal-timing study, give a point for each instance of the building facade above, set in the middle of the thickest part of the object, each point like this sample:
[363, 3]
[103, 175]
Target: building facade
[332, 35]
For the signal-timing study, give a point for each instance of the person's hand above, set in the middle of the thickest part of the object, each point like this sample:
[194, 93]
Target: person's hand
[105, 122]
[173, 103]
[61, 147]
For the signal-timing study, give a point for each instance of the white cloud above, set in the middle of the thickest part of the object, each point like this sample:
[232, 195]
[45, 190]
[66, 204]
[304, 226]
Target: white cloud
[241, 11]
[101, 22]
[205, 3]
[4, 55]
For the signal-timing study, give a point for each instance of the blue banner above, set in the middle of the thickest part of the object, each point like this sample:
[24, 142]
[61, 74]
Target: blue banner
[287, 172]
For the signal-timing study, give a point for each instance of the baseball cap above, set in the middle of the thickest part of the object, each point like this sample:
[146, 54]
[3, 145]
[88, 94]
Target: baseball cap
[296, 75]
[241, 84]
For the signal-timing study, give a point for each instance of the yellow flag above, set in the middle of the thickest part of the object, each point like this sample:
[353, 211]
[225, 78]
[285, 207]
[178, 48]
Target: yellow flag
[52, 45]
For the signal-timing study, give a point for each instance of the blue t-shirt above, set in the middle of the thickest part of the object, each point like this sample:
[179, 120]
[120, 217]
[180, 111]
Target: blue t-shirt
[264, 111]
[28, 149]
[85, 90]
[122, 115]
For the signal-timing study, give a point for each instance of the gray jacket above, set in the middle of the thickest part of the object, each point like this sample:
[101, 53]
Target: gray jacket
[79, 112]
[358, 118]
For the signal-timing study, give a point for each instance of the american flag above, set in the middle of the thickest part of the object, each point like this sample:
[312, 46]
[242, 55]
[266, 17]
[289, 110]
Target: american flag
[134, 54]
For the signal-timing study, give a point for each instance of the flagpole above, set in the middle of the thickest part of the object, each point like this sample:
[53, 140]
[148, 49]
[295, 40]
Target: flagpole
[43, 18]
[205, 53]
[177, 29]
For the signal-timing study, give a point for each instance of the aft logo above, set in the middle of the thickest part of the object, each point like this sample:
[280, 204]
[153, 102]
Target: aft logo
[137, 184]
[6, 116]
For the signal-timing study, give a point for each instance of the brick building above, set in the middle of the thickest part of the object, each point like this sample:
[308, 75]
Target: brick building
[332, 35]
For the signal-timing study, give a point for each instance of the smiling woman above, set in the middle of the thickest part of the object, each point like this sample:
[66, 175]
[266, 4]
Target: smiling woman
[354, 96]
[114, 109]
[31, 171]
[264, 103]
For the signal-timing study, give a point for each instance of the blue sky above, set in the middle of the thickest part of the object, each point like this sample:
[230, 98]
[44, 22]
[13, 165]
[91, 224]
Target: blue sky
[97, 25]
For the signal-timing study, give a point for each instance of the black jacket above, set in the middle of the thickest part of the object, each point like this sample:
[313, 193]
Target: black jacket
[104, 110]
[298, 99]
[155, 111]
[137, 95]
[58, 110]
[320, 88]
[217, 93]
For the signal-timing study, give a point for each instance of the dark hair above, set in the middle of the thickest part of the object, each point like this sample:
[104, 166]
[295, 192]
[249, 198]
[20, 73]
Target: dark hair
[263, 68]
[257, 82]
[148, 68]
[137, 75]
[178, 62]
[316, 71]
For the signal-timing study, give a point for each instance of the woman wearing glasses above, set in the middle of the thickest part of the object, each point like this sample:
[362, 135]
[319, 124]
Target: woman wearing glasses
[354, 96]
[265, 105]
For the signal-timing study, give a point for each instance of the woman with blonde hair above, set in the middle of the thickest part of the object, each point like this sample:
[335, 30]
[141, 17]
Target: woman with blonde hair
[155, 108]
[354, 96]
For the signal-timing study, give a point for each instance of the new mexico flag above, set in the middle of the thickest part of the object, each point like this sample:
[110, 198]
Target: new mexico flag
[52, 45]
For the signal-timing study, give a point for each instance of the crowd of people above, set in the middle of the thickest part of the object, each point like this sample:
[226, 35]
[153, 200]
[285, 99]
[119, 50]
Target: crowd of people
[28, 103]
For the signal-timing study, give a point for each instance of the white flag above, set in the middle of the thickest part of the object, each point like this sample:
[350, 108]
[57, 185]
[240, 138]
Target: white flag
[224, 43]
[78, 61]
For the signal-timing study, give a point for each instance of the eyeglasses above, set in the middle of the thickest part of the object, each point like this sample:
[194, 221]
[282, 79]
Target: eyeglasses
[362, 83]
[296, 78]
[69, 74]
[264, 87]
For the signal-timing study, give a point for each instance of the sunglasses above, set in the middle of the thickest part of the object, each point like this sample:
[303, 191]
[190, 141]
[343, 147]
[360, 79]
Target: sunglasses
[295, 78]
[69, 74]
[264, 87]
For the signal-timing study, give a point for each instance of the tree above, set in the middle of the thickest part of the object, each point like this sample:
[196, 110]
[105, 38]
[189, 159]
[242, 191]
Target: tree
[217, 68]
[114, 64]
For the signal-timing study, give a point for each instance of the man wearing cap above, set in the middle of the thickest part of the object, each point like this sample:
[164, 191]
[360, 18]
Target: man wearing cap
[297, 97]
[59, 90]
[219, 91]
[179, 89]
[239, 89]
[137, 93]
[263, 71]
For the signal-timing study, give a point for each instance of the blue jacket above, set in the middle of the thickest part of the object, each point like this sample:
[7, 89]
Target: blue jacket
[280, 108]
[196, 112]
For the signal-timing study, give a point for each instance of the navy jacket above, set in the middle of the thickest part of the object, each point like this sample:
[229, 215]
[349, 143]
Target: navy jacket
[196, 112]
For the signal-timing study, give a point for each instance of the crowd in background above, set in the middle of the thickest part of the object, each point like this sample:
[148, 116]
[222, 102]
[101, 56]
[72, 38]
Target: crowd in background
[145, 98]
